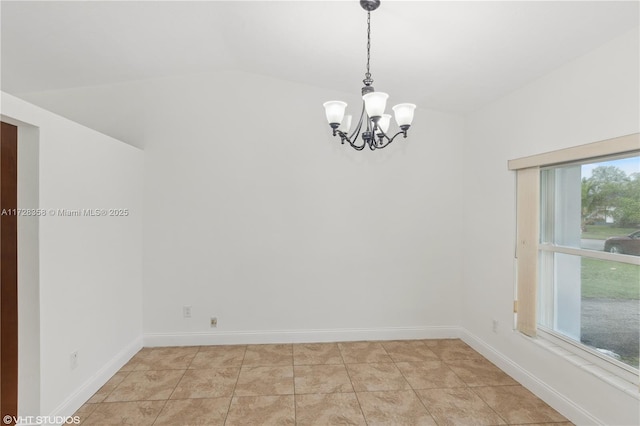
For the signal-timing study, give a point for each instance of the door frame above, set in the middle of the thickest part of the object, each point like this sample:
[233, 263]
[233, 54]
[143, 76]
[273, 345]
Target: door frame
[9, 270]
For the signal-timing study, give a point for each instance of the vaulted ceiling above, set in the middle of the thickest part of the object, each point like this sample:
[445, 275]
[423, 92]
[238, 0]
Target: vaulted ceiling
[451, 56]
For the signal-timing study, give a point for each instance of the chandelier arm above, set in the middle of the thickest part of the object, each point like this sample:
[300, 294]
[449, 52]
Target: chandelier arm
[357, 147]
[389, 140]
[356, 131]
[352, 139]
[344, 137]
[354, 136]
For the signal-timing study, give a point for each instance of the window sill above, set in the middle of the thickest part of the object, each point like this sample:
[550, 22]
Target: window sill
[607, 376]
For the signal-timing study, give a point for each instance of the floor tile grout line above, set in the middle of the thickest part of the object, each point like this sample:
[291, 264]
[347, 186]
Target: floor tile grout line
[177, 383]
[293, 371]
[295, 405]
[354, 388]
[114, 388]
[160, 412]
[233, 391]
[416, 393]
[467, 386]
[192, 358]
[461, 380]
[487, 404]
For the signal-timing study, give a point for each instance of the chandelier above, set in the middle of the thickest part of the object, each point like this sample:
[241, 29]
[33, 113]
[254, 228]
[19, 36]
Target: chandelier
[373, 122]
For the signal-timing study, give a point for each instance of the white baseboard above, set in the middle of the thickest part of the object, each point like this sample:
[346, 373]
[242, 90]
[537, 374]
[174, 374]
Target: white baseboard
[555, 399]
[299, 336]
[95, 382]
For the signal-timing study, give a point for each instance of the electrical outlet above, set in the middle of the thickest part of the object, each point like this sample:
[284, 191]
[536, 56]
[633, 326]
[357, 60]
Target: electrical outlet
[73, 360]
[214, 322]
[495, 325]
[186, 311]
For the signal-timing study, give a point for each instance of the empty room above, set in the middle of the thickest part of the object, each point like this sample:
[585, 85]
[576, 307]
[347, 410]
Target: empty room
[320, 212]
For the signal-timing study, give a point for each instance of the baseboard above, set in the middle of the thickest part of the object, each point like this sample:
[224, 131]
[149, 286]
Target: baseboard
[555, 399]
[299, 336]
[95, 382]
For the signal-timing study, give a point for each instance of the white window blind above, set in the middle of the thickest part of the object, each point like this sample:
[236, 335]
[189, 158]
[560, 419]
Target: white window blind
[528, 187]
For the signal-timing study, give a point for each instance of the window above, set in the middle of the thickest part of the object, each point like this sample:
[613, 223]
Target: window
[587, 294]
[579, 250]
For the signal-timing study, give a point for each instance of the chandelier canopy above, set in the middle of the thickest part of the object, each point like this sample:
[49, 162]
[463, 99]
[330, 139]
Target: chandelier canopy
[373, 122]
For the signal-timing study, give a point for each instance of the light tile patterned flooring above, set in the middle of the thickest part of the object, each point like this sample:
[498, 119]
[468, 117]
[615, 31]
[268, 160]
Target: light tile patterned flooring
[412, 382]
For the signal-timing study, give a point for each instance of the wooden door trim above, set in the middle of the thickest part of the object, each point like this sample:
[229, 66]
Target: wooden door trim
[8, 270]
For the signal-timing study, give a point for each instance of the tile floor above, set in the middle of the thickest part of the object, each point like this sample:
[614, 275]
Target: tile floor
[414, 382]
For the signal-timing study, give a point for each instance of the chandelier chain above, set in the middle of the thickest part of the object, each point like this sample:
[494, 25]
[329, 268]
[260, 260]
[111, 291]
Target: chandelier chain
[368, 42]
[367, 76]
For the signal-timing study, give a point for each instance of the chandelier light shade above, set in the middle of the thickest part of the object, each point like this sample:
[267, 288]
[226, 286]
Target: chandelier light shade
[384, 122]
[345, 125]
[404, 114]
[373, 123]
[375, 103]
[335, 111]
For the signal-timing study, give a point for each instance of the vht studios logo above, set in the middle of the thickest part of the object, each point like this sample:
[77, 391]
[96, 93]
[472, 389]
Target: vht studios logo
[41, 420]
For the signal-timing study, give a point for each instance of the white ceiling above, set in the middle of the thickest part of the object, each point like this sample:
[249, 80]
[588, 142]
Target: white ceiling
[450, 56]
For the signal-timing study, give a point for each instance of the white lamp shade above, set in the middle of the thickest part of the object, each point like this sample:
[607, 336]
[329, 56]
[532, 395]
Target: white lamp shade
[374, 103]
[345, 125]
[334, 111]
[404, 114]
[384, 122]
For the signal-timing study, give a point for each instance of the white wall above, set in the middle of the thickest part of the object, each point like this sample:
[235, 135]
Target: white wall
[89, 267]
[256, 215]
[592, 98]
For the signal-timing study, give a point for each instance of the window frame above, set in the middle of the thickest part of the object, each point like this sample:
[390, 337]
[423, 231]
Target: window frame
[590, 356]
[622, 146]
